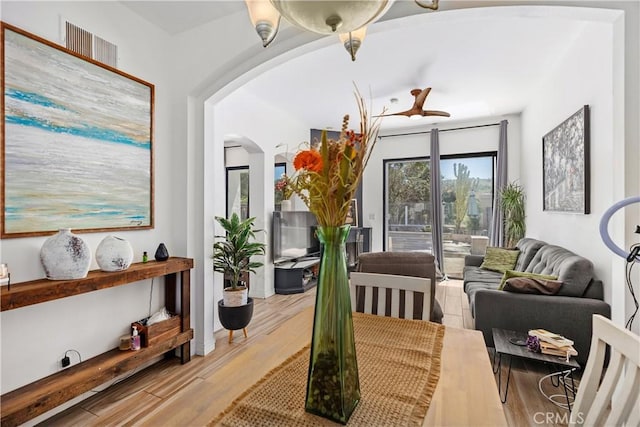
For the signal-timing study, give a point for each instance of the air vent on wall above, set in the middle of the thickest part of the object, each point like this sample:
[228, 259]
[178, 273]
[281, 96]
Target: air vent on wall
[85, 43]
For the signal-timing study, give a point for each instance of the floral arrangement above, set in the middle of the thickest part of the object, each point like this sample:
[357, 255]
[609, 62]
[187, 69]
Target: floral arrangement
[282, 185]
[328, 175]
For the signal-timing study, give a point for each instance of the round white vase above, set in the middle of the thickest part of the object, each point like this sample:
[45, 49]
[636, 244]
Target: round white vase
[65, 256]
[114, 254]
[286, 205]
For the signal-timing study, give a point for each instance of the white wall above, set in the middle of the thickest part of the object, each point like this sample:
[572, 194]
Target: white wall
[475, 139]
[35, 338]
[261, 127]
[590, 61]
[188, 69]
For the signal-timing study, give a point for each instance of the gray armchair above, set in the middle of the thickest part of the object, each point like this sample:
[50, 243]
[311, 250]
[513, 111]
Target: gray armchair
[414, 264]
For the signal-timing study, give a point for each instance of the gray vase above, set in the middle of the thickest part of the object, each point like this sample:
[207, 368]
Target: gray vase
[65, 256]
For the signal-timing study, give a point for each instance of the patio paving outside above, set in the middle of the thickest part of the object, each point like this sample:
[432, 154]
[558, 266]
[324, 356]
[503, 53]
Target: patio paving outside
[454, 251]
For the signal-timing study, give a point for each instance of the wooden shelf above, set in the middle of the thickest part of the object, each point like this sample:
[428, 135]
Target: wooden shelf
[43, 290]
[23, 404]
[31, 400]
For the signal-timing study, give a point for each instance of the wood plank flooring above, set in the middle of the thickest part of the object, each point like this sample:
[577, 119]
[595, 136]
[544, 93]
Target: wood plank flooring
[145, 397]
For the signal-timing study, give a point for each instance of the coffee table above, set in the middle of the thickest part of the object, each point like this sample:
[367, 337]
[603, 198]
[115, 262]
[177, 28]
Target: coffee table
[504, 346]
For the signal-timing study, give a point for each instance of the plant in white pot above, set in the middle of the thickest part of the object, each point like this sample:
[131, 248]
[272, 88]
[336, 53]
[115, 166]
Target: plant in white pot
[232, 256]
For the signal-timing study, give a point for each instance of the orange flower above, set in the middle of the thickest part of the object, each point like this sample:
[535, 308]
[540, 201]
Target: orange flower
[327, 177]
[310, 160]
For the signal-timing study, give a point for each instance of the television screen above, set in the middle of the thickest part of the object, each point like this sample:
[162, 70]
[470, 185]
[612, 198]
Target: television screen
[294, 235]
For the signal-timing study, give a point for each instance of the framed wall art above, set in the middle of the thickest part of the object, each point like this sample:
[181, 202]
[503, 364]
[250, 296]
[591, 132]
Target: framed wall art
[77, 141]
[565, 154]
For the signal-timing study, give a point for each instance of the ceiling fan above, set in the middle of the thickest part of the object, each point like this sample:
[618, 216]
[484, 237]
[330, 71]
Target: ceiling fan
[416, 109]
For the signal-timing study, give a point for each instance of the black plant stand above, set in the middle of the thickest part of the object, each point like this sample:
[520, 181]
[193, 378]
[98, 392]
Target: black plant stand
[234, 318]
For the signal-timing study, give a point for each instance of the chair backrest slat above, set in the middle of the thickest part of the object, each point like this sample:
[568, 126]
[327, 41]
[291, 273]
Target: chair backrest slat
[397, 296]
[612, 399]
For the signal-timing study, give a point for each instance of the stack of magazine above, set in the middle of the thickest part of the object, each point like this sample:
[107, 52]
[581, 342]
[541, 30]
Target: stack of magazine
[554, 344]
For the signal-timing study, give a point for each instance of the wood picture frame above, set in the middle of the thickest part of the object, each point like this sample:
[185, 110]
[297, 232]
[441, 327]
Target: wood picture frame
[77, 141]
[566, 164]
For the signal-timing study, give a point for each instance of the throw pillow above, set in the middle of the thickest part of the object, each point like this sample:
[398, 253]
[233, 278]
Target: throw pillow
[530, 285]
[500, 259]
[510, 273]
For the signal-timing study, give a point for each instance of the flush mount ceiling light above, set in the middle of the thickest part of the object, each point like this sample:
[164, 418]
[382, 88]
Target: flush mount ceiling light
[348, 19]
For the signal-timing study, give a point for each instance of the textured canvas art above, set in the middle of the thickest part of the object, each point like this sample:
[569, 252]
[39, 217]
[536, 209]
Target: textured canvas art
[565, 152]
[77, 143]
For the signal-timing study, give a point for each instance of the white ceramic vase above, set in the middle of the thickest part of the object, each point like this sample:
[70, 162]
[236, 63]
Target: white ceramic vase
[286, 205]
[65, 256]
[114, 254]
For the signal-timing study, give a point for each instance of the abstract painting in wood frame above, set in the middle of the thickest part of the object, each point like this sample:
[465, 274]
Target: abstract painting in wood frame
[77, 141]
[565, 170]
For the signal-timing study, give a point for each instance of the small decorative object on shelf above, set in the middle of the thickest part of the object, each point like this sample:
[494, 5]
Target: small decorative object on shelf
[114, 254]
[145, 257]
[162, 254]
[65, 256]
[286, 206]
[5, 277]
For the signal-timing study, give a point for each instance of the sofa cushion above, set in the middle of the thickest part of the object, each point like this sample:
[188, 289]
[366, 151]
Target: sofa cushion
[499, 259]
[511, 273]
[532, 285]
[472, 288]
[476, 274]
[574, 271]
[528, 248]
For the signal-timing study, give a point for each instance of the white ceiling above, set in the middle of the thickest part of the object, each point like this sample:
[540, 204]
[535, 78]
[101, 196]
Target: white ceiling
[480, 62]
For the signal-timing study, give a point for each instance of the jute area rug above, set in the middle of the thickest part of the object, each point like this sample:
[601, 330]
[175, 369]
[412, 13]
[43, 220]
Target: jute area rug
[398, 365]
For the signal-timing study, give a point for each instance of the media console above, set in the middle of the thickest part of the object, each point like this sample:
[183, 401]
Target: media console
[293, 277]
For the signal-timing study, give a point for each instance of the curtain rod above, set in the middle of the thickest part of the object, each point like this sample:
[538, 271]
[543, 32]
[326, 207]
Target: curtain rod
[443, 130]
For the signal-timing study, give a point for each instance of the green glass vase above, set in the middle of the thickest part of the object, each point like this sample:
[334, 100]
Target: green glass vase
[333, 387]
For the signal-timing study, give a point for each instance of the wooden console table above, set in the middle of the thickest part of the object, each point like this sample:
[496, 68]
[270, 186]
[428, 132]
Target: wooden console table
[33, 399]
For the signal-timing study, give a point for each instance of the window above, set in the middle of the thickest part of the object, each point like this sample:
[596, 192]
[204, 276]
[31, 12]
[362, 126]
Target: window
[280, 169]
[238, 191]
[467, 204]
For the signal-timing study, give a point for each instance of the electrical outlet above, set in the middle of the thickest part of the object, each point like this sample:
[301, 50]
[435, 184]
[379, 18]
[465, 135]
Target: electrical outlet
[65, 361]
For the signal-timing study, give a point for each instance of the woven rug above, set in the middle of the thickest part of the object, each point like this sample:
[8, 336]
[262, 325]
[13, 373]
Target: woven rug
[398, 366]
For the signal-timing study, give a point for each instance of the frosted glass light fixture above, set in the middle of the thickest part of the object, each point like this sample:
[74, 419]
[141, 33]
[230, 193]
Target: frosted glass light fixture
[348, 18]
[265, 19]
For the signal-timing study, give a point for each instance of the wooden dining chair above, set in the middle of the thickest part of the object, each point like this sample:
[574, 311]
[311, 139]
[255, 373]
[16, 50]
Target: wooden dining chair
[612, 399]
[390, 295]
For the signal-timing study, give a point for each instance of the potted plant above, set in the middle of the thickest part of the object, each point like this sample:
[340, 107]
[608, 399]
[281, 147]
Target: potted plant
[232, 256]
[512, 202]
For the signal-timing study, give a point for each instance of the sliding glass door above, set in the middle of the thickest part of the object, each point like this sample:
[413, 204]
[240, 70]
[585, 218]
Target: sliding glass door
[407, 205]
[467, 197]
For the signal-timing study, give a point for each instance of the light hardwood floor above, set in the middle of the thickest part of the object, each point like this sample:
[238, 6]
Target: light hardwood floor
[140, 394]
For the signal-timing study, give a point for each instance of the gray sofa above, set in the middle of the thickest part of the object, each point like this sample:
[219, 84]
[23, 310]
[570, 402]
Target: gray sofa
[568, 312]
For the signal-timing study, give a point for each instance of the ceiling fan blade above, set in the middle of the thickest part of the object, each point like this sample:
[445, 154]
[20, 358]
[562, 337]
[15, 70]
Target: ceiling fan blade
[435, 113]
[420, 97]
[401, 113]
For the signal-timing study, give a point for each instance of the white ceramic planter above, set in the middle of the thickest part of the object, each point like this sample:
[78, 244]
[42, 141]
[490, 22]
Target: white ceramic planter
[65, 256]
[114, 254]
[235, 298]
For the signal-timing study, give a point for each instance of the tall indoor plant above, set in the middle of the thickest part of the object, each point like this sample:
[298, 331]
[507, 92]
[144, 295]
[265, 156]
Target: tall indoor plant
[326, 179]
[512, 200]
[232, 256]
